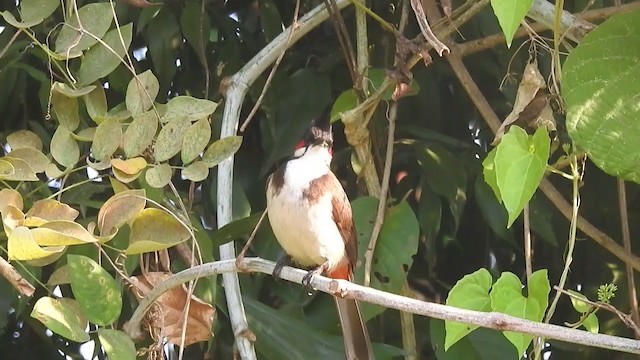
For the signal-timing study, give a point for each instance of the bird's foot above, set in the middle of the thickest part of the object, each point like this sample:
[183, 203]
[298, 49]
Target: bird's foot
[284, 261]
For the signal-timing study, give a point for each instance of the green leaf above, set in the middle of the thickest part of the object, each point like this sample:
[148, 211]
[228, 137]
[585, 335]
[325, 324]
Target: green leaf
[196, 171]
[117, 344]
[221, 149]
[95, 19]
[538, 289]
[601, 86]
[489, 172]
[471, 293]
[169, 141]
[159, 176]
[141, 92]
[525, 309]
[154, 230]
[99, 61]
[64, 147]
[140, 133]
[36, 160]
[106, 140]
[96, 104]
[430, 212]
[32, 12]
[345, 102]
[187, 107]
[510, 14]
[70, 92]
[62, 316]
[235, 229]
[66, 110]
[195, 140]
[97, 293]
[397, 244]
[520, 164]
[578, 304]
[591, 323]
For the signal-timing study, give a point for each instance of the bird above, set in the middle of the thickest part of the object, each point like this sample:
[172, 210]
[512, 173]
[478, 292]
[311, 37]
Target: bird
[311, 218]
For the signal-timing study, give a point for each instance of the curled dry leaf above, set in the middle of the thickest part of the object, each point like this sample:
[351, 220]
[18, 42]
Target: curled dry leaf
[531, 108]
[168, 316]
[426, 29]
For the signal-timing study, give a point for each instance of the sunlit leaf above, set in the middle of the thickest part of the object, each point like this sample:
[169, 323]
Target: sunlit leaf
[96, 103]
[510, 14]
[154, 230]
[159, 176]
[97, 293]
[221, 149]
[63, 317]
[129, 166]
[10, 197]
[196, 171]
[471, 293]
[187, 107]
[86, 134]
[125, 177]
[32, 13]
[52, 210]
[62, 233]
[22, 246]
[117, 344]
[12, 217]
[22, 171]
[119, 209]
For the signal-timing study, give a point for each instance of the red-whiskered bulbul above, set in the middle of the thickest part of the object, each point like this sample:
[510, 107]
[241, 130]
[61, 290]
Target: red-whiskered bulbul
[311, 218]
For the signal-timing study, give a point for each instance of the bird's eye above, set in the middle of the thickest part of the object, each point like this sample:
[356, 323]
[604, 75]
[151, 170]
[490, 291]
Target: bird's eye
[327, 143]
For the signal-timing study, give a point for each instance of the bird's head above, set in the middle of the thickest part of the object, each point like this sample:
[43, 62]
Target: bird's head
[318, 140]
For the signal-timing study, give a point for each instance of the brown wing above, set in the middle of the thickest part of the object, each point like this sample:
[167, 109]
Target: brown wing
[342, 216]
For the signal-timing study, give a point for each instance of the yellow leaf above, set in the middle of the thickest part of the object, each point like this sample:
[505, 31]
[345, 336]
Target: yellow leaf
[50, 210]
[22, 246]
[60, 233]
[153, 230]
[12, 217]
[119, 209]
[130, 166]
[10, 197]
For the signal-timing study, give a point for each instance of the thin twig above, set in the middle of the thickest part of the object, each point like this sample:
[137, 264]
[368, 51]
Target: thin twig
[6, 47]
[240, 257]
[527, 242]
[626, 241]
[382, 204]
[205, 65]
[334, 287]
[256, 106]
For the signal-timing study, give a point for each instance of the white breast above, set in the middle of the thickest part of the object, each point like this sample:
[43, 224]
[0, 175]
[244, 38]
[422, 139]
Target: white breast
[305, 231]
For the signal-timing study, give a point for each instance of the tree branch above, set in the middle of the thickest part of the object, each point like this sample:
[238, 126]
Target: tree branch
[491, 320]
[237, 87]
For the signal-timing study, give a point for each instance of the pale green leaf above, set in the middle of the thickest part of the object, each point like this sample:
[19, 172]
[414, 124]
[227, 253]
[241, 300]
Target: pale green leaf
[24, 139]
[106, 140]
[578, 302]
[196, 171]
[221, 149]
[538, 288]
[591, 323]
[70, 92]
[32, 12]
[22, 171]
[66, 110]
[64, 147]
[159, 176]
[96, 103]
[169, 141]
[119, 209]
[140, 133]
[63, 317]
[187, 107]
[35, 158]
[195, 140]
[141, 92]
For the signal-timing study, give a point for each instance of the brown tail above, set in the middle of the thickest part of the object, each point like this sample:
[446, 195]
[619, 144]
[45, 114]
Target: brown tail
[357, 344]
